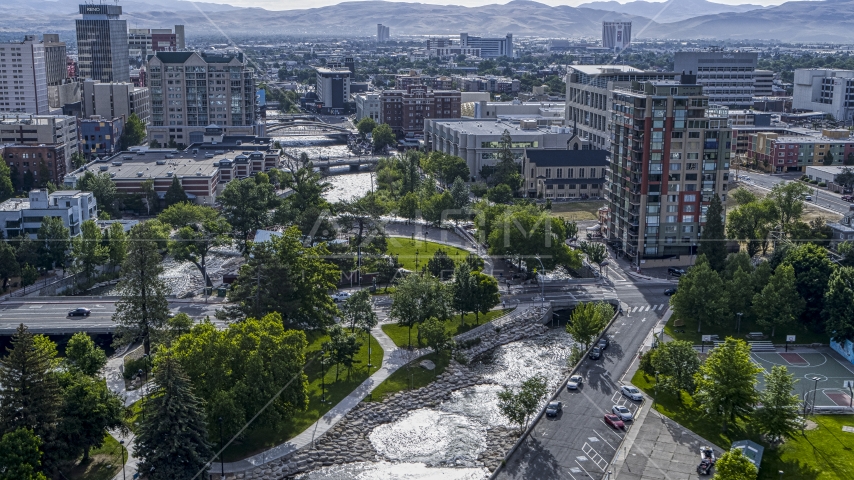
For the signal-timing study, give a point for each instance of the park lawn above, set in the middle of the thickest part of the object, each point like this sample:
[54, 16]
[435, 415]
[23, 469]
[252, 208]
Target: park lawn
[263, 438]
[406, 249]
[400, 380]
[824, 453]
[577, 211]
[104, 463]
[803, 335]
[400, 335]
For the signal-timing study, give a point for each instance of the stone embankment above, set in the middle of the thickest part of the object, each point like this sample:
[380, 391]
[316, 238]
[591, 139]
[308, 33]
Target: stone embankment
[349, 442]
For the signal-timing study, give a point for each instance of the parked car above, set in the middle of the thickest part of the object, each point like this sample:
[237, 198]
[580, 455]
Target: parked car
[574, 382]
[670, 291]
[707, 453]
[79, 312]
[340, 296]
[676, 272]
[603, 343]
[808, 198]
[631, 392]
[624, 413]
[704, 468]
[614, 421]
[554, 408]
[595, 353]
[847, 198]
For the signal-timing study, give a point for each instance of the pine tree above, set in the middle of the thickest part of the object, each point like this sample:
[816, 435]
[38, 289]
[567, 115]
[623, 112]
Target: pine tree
[175, 193]
[142, 307]
[172, 441]
[29, 390]
[713, 240]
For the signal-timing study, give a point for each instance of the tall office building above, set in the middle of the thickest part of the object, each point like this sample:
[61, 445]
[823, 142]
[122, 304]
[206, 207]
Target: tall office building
[588, 97]
[191, 90]
[763, 83]
[827, 90]
[102, 44]
[333, 87]
[54, 59]
[115, 100]
[143, 42]
[616, 36]
[382, 33]
[489, 47]
[23, 77]
[669, 157]
[727, 77]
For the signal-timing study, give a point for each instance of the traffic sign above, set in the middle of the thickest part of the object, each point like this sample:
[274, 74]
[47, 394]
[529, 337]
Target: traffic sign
[790, 338]
[707, 338]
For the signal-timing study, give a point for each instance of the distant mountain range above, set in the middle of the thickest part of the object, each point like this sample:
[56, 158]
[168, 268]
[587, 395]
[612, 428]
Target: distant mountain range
[797, 21]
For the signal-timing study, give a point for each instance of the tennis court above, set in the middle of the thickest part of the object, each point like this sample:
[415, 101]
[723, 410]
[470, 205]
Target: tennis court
[821, 377]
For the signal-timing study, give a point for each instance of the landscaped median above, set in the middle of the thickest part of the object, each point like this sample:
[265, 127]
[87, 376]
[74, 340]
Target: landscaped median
[823, 452]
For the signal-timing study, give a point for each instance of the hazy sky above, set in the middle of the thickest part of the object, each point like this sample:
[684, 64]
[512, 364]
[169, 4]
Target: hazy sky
[302, 4]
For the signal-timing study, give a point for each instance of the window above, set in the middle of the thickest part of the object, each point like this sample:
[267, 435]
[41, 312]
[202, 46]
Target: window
[670, 219]
[687, 218]
[690, 198]
[580, 173]
[672, 198]
[687, 229]
[559, 173]
[688, 208]
[548, 173]
[693, 134]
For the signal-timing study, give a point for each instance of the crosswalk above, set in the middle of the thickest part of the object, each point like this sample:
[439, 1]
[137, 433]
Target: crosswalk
[648, 308]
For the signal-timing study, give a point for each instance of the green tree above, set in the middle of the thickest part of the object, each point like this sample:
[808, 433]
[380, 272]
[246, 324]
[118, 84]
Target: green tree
[501, 193]
[87, 251]
[183, 214]
[726, 383]
[478, 189]
[246, 206]
[778, 417]
[571, 229]
[417, 298]
[700, 296]
[486, 294]
[149, 196]
[740, 291]
[8, 263]
[587, 321]
[518, 407]
[839, 305]
[383, 137]
[142, 308]
[82, 355]
[6, 187]
[463, 290]
[89, 409]
[102, 187]
[194, 242]
[676, 363]
[55, 242]
[435, 209]
[408, 206]
[134, 132]
[713, 240]
[527, 232]
[287, 277]
[460, 194]
[447, 168]
[751, 223]
[20, 455]
[813, 270]
[440, 265]
[595, 251]
[173, 427]
[116, 241]
[789, 199]
[175, 194]
[357, 312]
[343, 347]
[365, 126]
[435, 336]
[735, 261]
[77, 160]
[30, 395]
[29, 275]
[733, 465]
[779, 304]
[828, 158]
[242, 367]
[506, 170]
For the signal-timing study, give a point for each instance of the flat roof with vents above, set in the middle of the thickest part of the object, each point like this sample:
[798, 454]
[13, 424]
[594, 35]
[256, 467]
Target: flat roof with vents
[159, 164]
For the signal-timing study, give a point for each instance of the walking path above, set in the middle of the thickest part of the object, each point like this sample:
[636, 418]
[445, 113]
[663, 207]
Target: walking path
[116, 384]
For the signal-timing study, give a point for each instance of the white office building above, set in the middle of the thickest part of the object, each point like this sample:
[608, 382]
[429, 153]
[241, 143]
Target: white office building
[489, 47]
[333, 87]
[616, 36]
[368, 105]
[727, 77]
[23, 77]
[825, 90]
[382, 33]
[19, 216]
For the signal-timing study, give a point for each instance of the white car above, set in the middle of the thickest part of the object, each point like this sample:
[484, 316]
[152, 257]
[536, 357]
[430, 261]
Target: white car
[340, 296]
[575, 381]
[622, 412]
[631, 392]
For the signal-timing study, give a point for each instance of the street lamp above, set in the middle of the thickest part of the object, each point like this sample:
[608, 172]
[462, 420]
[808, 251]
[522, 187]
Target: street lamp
[655, 398]
[543, 283]
[738, 322]
[221, 461]
[781, 474]
[814, 392]
[323, 373]
[122, 444]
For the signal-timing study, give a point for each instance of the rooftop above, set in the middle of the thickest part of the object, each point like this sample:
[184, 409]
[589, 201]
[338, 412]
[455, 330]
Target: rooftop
[555, 158]
[604, 69]
[161, 163]
[491, 127]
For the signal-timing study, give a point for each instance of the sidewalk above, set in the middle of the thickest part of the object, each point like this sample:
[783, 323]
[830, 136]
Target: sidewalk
[393, 359]
[116, 384]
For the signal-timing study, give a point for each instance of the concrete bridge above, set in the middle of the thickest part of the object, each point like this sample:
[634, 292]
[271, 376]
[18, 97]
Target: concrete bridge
[353, 162]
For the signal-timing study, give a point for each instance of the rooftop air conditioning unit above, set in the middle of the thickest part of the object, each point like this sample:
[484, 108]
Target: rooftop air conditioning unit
[139, 174]
[169, 174]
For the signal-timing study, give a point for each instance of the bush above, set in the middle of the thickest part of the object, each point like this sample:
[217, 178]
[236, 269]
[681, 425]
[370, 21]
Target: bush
[133, 365]
[646, 365]
[814, 182]
[822, 184]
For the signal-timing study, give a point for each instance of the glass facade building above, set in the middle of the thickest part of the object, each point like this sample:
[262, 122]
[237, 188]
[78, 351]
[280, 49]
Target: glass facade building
[102, 44]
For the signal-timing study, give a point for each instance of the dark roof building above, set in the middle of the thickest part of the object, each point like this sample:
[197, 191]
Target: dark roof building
[565, 174]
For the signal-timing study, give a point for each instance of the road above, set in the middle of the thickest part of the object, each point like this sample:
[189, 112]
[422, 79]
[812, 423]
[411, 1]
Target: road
[48, 315]
[821, 198]
[578, 444]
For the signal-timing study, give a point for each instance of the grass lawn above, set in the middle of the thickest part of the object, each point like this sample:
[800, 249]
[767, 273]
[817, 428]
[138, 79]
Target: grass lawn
[400, 335]
[824, 453]
[400, 379]
[803, 334]
[263, 438]
[104, 463]
[577, 211]
[406, 249]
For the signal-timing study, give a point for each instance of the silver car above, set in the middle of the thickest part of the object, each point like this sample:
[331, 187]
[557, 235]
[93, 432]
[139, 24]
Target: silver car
[624, 413]
[574, 382]
[631, 392]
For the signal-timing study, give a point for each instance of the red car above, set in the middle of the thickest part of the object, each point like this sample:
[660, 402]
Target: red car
[614, 421]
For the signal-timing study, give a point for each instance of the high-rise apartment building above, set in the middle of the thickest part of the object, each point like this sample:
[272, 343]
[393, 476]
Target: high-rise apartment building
[40, 129]
[112, 100]
[727, 77]
[616, 36]
[333, 87]
[670, 156]
[588, 97]
[382, 33]
[54, 59]
[22, 73]
[827, 90]
[191, 90]
[405, 110]
[102, 44]
[489, 47]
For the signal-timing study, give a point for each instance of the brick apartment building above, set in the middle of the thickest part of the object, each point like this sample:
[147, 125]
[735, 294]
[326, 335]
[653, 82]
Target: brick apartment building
[45, 162]
[405, 110]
